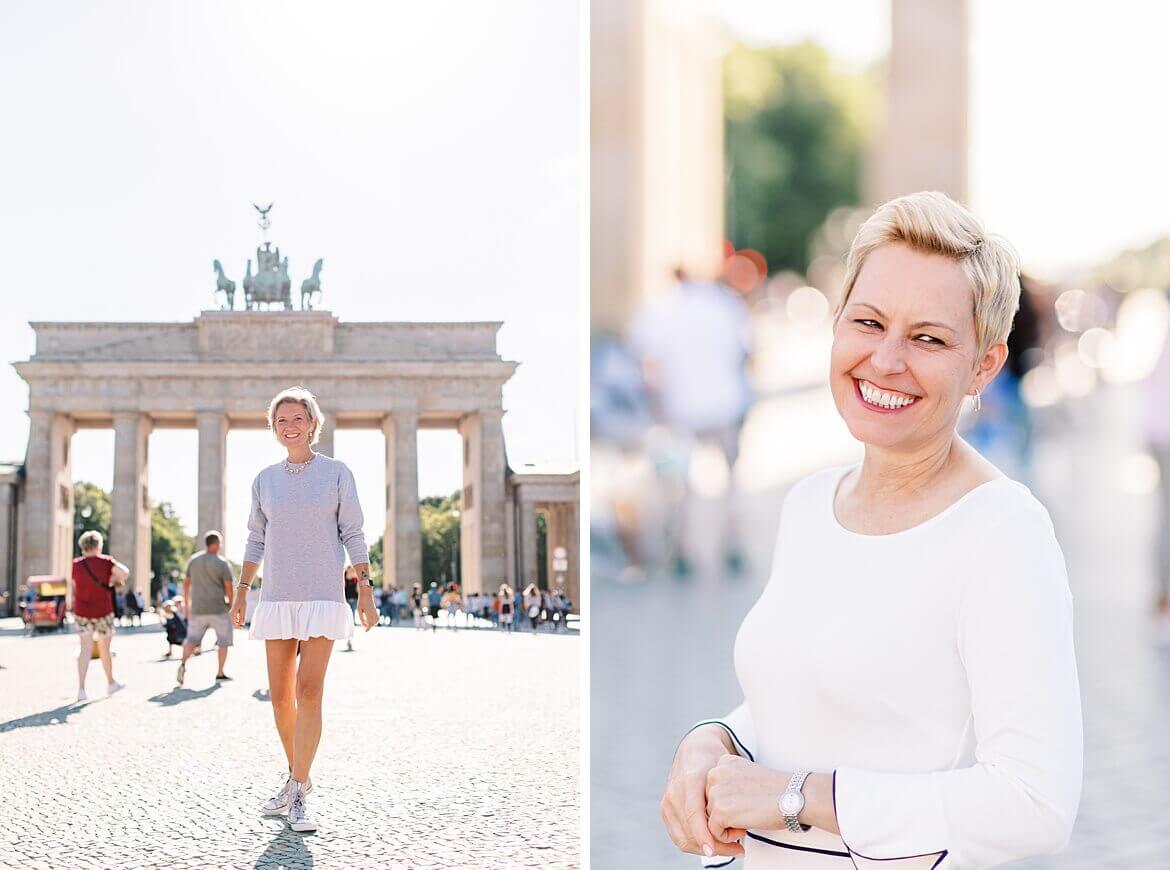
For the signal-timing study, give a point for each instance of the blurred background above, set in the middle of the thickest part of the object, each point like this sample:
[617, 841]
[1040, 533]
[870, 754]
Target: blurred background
[736, 147]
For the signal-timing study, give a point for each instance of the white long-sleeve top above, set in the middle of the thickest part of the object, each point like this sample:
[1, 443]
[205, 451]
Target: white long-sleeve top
[930, 670]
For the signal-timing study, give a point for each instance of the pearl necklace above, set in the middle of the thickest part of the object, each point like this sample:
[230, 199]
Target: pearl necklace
[298, 467]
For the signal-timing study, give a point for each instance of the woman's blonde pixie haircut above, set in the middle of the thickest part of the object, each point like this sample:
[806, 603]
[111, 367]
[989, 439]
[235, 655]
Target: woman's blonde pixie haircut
[91, 540]
[934, 223]
[307, 401]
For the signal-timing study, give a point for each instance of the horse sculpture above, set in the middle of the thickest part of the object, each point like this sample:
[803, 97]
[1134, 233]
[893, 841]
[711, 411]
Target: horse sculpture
[224, 285]
[311, 285]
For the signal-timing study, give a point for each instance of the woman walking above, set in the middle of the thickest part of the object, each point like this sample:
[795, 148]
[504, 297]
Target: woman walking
[94, 578]
[532, 605]
[505, 602]
[910, 688]
[305, 519]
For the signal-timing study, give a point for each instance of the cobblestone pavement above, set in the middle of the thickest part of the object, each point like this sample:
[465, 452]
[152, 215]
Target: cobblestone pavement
[645, 670]
[443, 749]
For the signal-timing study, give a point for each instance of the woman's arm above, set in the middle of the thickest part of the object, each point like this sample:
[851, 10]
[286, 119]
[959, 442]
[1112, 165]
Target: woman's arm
[1020, 797]
[350, 521]
[257, 529]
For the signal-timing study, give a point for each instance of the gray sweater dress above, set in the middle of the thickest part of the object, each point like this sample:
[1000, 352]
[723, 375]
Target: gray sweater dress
[301, 526]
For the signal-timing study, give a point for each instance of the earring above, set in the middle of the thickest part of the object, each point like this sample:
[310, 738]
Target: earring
[978, 401]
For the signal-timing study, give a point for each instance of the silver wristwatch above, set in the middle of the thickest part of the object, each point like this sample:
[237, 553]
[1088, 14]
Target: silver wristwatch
[792, 803]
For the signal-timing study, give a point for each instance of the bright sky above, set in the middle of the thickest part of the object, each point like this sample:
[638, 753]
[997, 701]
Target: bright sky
[429, 152]
[1069, 131]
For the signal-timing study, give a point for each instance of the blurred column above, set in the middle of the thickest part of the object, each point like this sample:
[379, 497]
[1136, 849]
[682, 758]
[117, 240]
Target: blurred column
[528, 569]
[923, 141]
[402, 542]
[325, 445]
[130, 501]
[47, 519]
[554, 528]
[656, 122]
[493, 503]
[213, 428]
[573, 545]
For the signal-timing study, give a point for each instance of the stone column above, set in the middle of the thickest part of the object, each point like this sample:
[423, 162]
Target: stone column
[554, 528]
[510, 538]
[528, 569]
[493, 554]
[48, 500]
[402, 543]
[469, 523]
[483, 521]
[573, 545]
[8, 576]
[922, 143]
[213, 429]
[325, 445]
[130, 501]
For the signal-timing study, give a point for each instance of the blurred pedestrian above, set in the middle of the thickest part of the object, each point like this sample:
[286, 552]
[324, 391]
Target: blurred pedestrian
[532, 605]
[693, 343]
[506, 603]
[418, 605]
[434, 601]
[450, 602]
[207, 598]
[1157, 432]
[94, 578]
[174, 625]
[917, 581]
[132, 608]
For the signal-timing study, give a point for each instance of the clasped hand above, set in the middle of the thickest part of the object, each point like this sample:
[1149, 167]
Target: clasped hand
[712, 797]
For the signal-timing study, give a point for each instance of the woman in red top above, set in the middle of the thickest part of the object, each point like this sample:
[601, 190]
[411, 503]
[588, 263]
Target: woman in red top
[94, 579]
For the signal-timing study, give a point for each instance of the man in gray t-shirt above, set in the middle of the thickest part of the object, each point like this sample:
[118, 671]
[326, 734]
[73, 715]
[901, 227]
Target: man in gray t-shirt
[207, 596]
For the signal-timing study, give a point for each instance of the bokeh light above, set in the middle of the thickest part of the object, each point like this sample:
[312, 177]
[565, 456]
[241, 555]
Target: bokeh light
[807, 307]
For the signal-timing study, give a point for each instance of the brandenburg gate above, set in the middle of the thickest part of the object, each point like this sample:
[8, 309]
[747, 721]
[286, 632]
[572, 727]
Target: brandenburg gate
[219, 372]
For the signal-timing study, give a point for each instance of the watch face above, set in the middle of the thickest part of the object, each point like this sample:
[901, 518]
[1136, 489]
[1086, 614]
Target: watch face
[791, 803]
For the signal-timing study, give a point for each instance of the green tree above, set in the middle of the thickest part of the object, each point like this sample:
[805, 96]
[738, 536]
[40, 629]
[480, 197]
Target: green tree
[439, 524]
[795, 133]
[439, 527]
[170, 545]
[377, 568]
[91, 512]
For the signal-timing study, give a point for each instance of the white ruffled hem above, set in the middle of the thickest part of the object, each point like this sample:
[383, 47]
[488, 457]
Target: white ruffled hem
[283, 620]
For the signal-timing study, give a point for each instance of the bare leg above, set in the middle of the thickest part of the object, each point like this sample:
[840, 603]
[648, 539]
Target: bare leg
[310, 688]
[84, 654]
[103, 644]
[222, 653]
[188, 650]
[282, 675]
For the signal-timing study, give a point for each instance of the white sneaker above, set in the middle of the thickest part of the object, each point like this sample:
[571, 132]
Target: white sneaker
[278, 805]
[82, 696]
[298, 812]
[114, 687]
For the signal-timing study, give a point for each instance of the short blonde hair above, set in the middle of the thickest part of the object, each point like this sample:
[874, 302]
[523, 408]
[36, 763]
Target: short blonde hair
[306, 400]
[91, 540]
[934, 223]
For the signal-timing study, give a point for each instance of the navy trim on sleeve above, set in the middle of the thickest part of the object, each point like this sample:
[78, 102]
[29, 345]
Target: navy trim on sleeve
[834, 853]
[743, 750]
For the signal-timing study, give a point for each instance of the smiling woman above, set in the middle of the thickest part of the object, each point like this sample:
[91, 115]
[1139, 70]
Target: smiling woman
[929, 712]
[305, 519]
